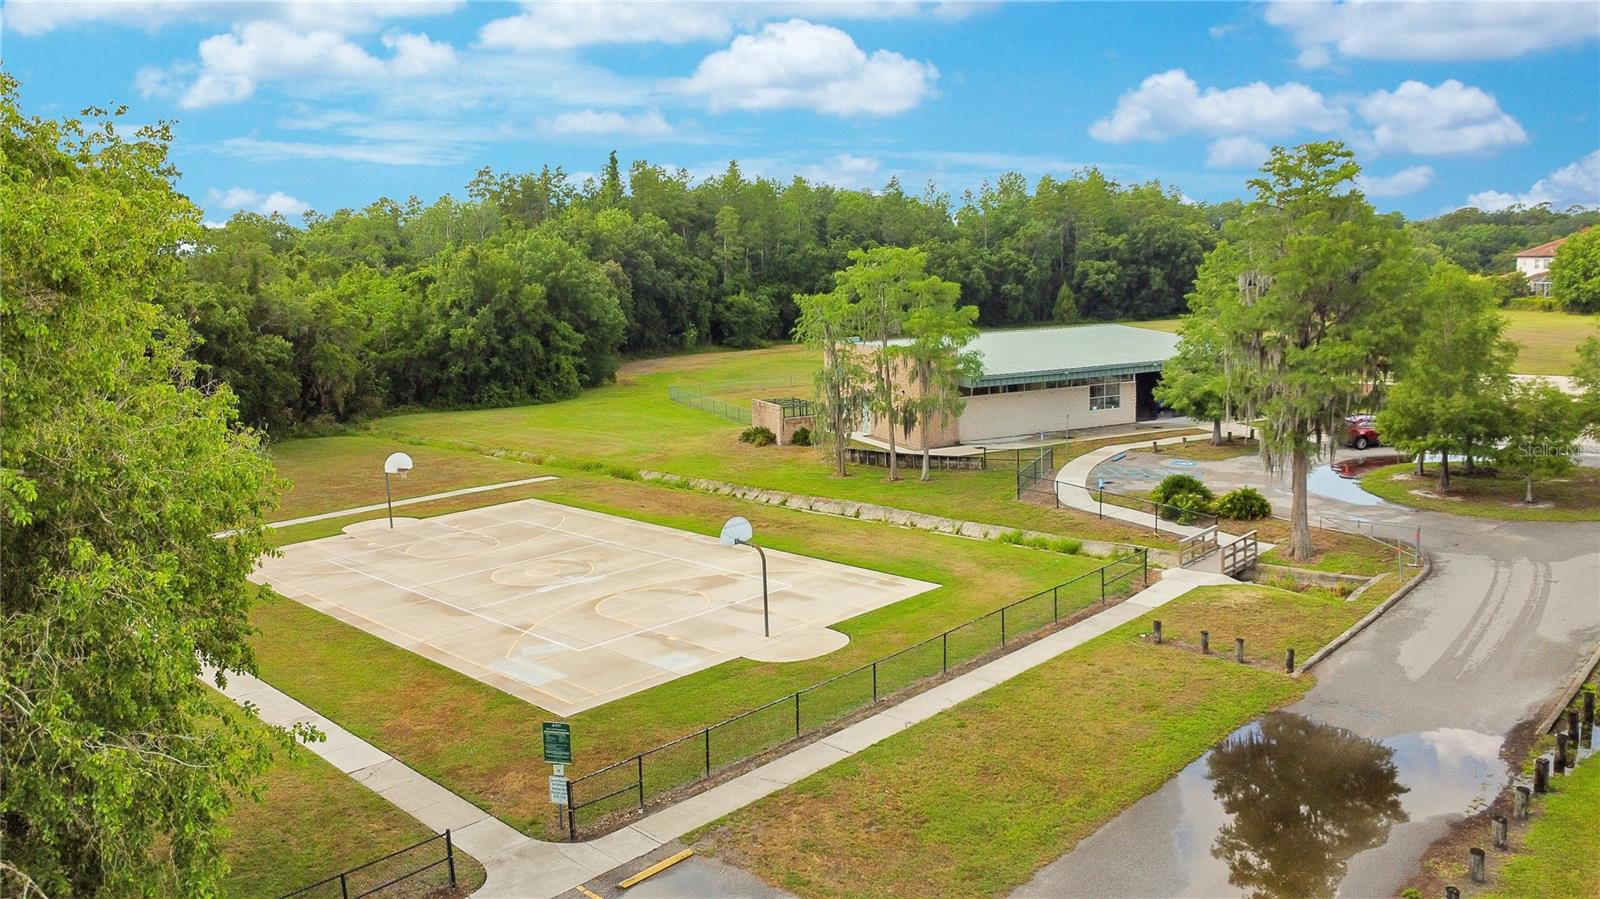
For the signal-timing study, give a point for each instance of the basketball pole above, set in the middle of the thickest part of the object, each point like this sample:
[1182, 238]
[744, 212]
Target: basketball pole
[388, 497]
[766, 614]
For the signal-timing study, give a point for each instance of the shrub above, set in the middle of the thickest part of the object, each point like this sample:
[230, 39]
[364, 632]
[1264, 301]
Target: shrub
[802, 437]
[1174, 485]
[1243, 504]
[1067, 546]
[756, 435]
[1186, 507]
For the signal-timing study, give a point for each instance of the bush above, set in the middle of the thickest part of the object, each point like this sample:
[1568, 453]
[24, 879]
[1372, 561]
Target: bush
[1185, 508]
[756, 435]
[802, 437]
[1243, 504]
[1174, 485]
[1067, 546]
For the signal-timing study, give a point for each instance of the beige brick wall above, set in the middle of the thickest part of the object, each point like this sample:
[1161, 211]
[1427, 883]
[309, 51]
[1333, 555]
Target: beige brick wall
[770, 416]
[1031, 411]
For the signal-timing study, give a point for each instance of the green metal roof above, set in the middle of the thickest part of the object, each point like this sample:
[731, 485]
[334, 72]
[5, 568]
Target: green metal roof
[1070, 351]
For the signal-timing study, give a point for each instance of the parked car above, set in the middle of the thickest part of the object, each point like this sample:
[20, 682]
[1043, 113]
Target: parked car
[1360, 431]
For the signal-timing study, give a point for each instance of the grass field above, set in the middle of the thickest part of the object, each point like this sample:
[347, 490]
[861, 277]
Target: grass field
[1570, 497]
[972, 801]
[478, 741]
[1557, 855]
[1548, 340]
[312, 822]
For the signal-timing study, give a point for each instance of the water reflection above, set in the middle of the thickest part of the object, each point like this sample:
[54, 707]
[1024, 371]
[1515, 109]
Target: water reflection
[1302, 798]
[1324, 481]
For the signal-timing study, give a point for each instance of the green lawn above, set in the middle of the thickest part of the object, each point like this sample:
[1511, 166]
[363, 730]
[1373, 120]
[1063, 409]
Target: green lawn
[1570, 497]
[1557, 856]
[1548, 340]
[311, 822]
[479, 742]
[972, 801]
[1270, 620]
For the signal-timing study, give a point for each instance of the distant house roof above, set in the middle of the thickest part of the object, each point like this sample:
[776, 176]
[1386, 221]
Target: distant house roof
[1070, 351]
[1542, 250]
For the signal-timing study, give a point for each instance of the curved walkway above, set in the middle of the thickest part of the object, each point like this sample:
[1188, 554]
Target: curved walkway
[520, 866]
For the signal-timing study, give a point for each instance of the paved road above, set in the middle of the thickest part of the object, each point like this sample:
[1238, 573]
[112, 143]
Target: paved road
[1433, 687]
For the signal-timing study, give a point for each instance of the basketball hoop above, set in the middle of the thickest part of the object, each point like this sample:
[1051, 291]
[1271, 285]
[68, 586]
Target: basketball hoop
[738, 532]
[397, 464]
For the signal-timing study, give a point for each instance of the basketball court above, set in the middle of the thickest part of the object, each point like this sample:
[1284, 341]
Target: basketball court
[570, 609]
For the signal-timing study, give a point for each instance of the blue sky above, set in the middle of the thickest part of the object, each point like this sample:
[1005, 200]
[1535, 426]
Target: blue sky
[322, 105]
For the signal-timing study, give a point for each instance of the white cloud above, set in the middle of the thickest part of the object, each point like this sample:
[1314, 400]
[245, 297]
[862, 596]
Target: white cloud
[254, 201]
[1462, 29]
[1401, 183]
[1448, 119]
[608, 122]
[1236, 152]
[845, 170]
[234, 63]
[378, 152]
[1577, 184]
[1170, 103]
[563, 26]
[797, 64]
[33, 17]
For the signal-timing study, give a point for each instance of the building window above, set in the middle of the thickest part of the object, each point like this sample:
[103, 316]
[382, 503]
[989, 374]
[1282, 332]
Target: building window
[1106, 395]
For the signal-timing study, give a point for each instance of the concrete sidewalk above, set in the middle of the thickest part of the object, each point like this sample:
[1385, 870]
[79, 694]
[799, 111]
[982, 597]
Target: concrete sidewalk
[1074, 490]
[519, 866]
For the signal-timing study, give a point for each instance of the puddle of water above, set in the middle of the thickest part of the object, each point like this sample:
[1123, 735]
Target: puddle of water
[1287, 806]
[1324, 481]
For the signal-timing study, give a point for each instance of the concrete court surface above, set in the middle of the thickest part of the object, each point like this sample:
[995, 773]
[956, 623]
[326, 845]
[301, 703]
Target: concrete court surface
[570, 609]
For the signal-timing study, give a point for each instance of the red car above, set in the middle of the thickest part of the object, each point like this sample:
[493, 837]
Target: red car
[1360, 432]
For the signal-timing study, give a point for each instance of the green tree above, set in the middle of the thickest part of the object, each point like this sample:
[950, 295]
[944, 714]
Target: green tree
[827, 324]
[883, 284]
[1575, 272]
[1450, 395]
[1310, 293]
[938, 330]
[1586, 376]
[1194, 382]
[1545, 426]
[117, 761]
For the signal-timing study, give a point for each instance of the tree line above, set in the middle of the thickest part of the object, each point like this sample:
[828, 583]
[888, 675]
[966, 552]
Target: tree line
[534, 287]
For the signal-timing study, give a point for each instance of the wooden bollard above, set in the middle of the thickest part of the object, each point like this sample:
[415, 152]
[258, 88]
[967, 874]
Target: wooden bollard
[1572, 730]
[1205, 642]
[1523, 798]
[1477, 868]
[1541, 775]
[1452, 893]
[1497, 829]
[1238, 650]
[1588, 711]
[1158, 631]
[1562, 762]
[1154, 448]
[1288, 661]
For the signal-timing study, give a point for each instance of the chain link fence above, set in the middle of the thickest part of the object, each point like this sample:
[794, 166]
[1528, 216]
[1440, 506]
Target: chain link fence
[417, 871]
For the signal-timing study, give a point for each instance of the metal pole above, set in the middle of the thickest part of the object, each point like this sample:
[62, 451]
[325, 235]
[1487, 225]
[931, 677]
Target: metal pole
[708, 752]
[450, 856]
[766, 614]
[640, 757]
[797, 714]
[388, 498]
[344, 888]
[572, 815]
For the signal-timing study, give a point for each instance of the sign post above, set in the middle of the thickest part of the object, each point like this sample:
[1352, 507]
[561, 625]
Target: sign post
[557, 739]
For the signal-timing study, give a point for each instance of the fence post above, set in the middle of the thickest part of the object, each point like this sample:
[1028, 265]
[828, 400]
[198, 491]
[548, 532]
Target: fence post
[1498, 831]
[874, 681]
[572, 815]
[1238, 650]
[1102, 503]
[344, 888]
[450, 856]
[1523, 799]
[640, 757]
[1144, 562]
[1003, 625]
[1102, 585]
[1205, 643]
[1475, 865]
[1158, 631]
[797, 713]
[1288, 661]
[1541, 775]
[1055, 603]
[708, 751]
[945, 652]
